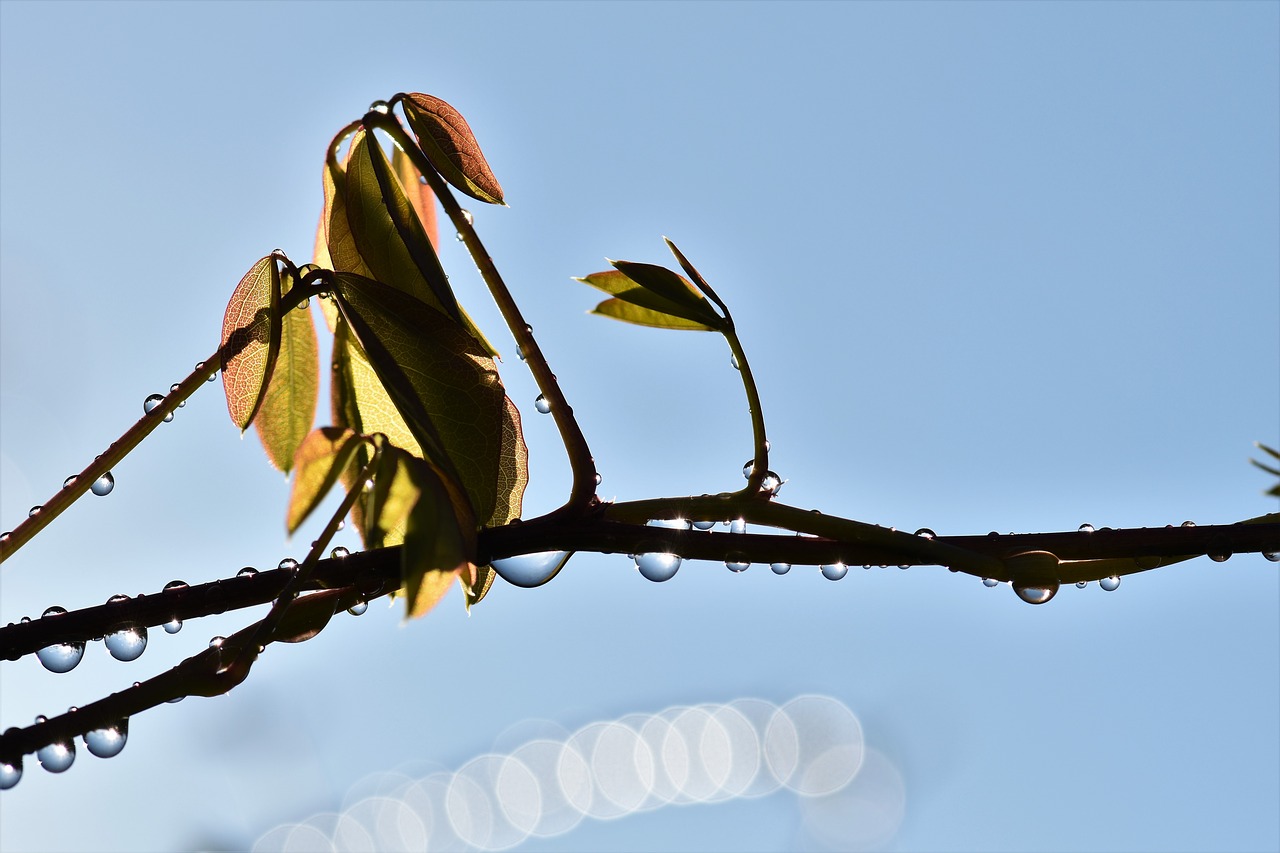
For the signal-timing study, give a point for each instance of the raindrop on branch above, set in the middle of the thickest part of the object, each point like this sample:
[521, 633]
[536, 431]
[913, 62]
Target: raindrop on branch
[990, 582]
[542, 404]
[359, 608]
[658, 567]
[67, 483]
[1081, 584]
[1110, 584]
[926, 533]
[103, 485]
[703, 525]
[737, 563]
[738, 525]
[1086, 528]
[834, 571]
[173, 626]
[152, 403]
[173, 388]
[60, 657]
[1036, 593]
[34, 511]
[288, 564]
[529, 570]
[379, 107]
[733, 359]
[339, 552]
[128, 643]
[247, 572]
[107, 743]
[10, 774]
[780, 568]
[57, 757]
[1273, 556]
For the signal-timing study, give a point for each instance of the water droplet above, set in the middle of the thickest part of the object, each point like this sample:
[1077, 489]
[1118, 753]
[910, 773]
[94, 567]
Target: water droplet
[599, 479]
[117, 599]
[379, 107]
[1188, 524]
[542, 404]
[212, 376]
[174, 387]
[669, 523]
[658, 567]
[530, 570]
[4, 537]
[247, 572]
[737, 563]
[834, 571]
[173, 626]
[733, 359]
[780, 568]
[127, 643]
[175, 700]
[67, 483]
[990, 582]
[1110, 584]
[1273, 556]
[288, 564]
[703, 525]
[152, 403]
[34, 511]
[520, 353]
[103, 485]
[904, 566]
[107, 743]
[61, 657]
[216, 642]
[771, 484]
[338, 553]
[748, 468]
[10, 774]
[738, 525]
[358, 608]
[1081, 584]
[1086, 528]
[926, 533]
[57, 757]
[1036, 593]
[1219, 556]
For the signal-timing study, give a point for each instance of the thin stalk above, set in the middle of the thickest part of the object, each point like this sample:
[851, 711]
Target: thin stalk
[583, 466]
[119, 449]
[760, 463]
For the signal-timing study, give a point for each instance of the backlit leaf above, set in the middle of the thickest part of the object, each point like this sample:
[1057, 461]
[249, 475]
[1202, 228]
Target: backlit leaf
[632, 313]
[672, 287]
[250, 340]
[323, 455]
[437, 546]
[513, 468]
[628, 290]
[447, 140]
[289, 407]
[440, 380]
[419, 194]
[306, 616]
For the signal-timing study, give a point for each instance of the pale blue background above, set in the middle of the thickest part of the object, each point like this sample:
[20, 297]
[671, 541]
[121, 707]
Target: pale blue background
[1007, 266]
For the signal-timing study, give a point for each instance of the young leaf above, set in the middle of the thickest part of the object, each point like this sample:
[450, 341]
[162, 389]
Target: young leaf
[631, 313]
[657, 308]
[323, 455]
[513, 468]
[447, 140]
[440, 380]
[250, 340]
[675, 288]
[289, 407]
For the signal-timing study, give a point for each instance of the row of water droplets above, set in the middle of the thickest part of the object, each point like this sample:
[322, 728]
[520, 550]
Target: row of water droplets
[57, 757]
[104, 484]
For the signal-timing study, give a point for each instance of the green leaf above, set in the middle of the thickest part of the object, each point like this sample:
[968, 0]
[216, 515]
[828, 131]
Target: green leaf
[323, 455]
[440, 380]
[632, 313]
[392, 497]
[513, 468]
[419, 194]
[250, 340]
[446, 139]
[437, 544]
[289, 406]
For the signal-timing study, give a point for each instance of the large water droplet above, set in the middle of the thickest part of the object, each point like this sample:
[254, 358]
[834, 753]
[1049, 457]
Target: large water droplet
[780, 568]
[542, 404]
[288, 564]
[670, 523]
[470, 220]
[1188, 524]
[34, 511]
[107, 743]
[67, 483]
[703, 525]
[1273, 556]
[834, 571]
[359, 608]
[1110, 584]
[10, 774]
[152, 403]
[60, 657]
[128, 643]
[658, 567]
[1219, 551]
[1036, 593]
[529, 570]
[737, 563]
[117, 599]
[771, 484]
[1086, 528]
[738, 525]
[4, 537]
[173, 626]
[175, 585]
[247, 572]
[990, 582]
[57, 757]
[103, 485]
[339, 552]
[926, 533]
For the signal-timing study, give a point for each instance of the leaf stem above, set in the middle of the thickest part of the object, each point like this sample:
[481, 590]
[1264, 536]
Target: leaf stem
[583, 491]
[119, 449]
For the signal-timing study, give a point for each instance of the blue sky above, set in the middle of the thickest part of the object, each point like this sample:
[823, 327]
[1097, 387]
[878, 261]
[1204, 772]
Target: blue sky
[997, 266]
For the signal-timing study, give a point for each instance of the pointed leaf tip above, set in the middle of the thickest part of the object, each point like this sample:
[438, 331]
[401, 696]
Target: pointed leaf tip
[446, 139]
